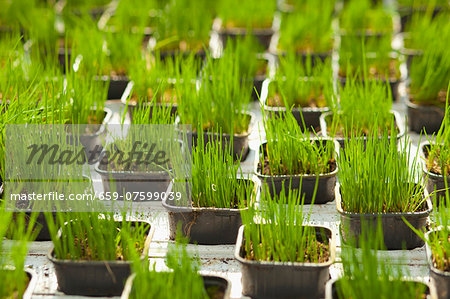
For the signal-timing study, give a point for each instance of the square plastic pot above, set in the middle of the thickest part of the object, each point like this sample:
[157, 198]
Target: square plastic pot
[434, 181]
[332, 293]
[117, 85]
[220, 284]
[205, 226]
[263, 279]
[421, 117]
[397, 234]
[441, 279]
[311, 115]
[94, 278]
[324, 128]
[325, 188]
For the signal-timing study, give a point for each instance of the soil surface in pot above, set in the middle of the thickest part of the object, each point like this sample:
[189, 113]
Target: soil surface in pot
[439, 102]
[314, 101]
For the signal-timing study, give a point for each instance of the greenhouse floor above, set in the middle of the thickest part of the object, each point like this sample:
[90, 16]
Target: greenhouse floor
[219, 259]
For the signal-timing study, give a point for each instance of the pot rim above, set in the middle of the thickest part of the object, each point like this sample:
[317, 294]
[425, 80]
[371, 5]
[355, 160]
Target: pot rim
[244, 261]
[422, 154]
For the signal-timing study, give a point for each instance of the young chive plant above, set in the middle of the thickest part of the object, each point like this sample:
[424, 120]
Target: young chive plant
[363, 108]
[96, 236]
[367, 274]
[220, 104]
[291, 151]
[438, 155]
[247, 14]
[379, 176]
[313, 87]
[184, 26]
[309, 30]
[182, 281]
[216, 180]
[280, 235]
[430, 74]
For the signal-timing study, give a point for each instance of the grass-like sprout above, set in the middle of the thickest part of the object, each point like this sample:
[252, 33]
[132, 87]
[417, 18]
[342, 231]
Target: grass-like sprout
[438, 155]
[361, 16]
[430, 73]
[96, 236]
[308, 30]
[182, 281]
[363, 108]
[426, 30]
[247, 14]
[313, 87]
[127, 18]
[365, 270]
[378, 176]
[221, 102]
[279, 235]
[12, 260]
[216, 180]
[290, 151]
[184, 26]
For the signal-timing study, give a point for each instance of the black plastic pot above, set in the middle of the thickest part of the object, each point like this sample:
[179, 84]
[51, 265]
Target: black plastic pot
[263, 35]
[332, 292]
[217, 287]
[240, 142]
[133, 106]
[424, 117]
[311, 115]
[262, 279]
[341, 140]
[396, 233]
[325, 187]
[134, 186]
[393, 85]
[94, 278]
[314, 56]
[434, 181]
[205, 226]
[93, 142]
[441, 279]
[117, 85]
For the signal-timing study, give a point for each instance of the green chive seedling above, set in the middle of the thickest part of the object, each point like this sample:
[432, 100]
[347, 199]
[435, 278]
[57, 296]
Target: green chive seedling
[308, 30]
[247, 14]
[291, 151]
[216, 180]
[367, 274]
[313, 87]
[280, 234]
[363, 108]
[378, 176]
[96, 236]
[182, 281]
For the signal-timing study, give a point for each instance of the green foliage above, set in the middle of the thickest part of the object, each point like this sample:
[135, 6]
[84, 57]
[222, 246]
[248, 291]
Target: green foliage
[96, 236]
[279, 235]
[290, 151]
[360, 16]
[247, 14]
[308, 30]
[313, 88]
[363, 108]
[183, 281]
[378, 176]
